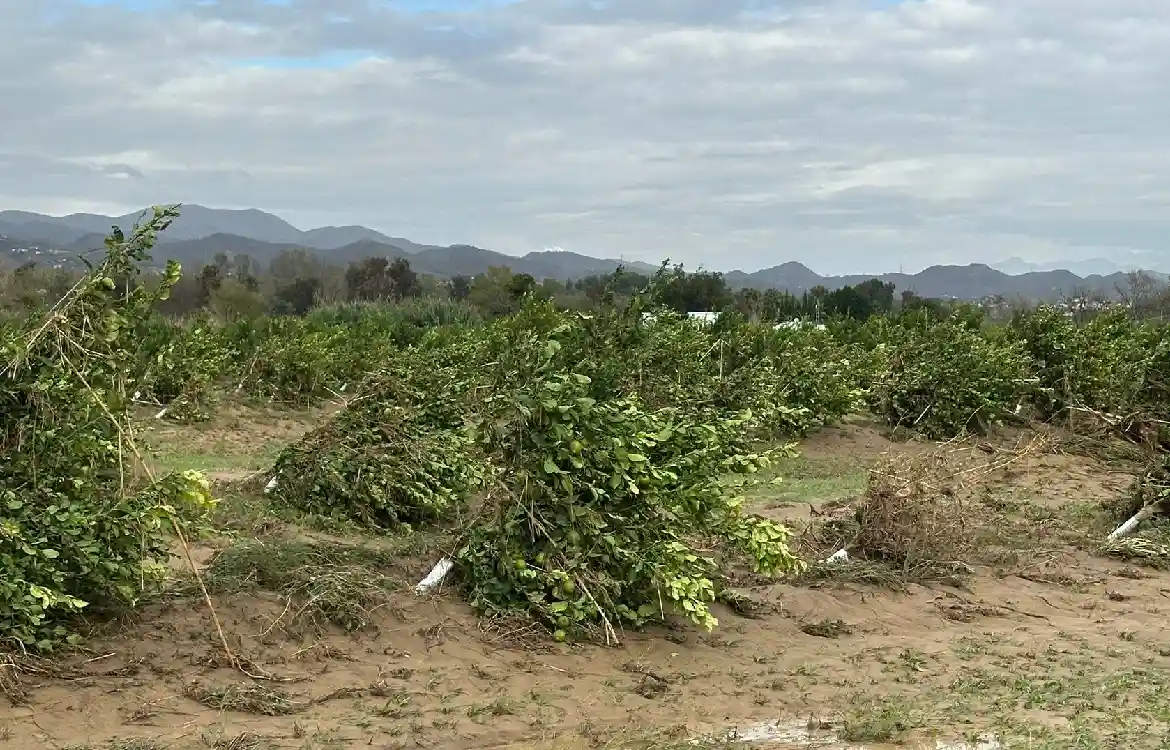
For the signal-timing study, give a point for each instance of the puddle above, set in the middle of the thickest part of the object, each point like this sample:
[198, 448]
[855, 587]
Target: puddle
[797, 735]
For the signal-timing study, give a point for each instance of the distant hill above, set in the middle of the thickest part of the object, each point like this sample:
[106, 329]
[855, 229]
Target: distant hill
[1089, 267]
[970, 282]
[200, 233]
[195, 222]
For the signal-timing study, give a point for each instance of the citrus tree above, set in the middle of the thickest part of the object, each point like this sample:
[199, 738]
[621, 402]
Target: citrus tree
[74, 531]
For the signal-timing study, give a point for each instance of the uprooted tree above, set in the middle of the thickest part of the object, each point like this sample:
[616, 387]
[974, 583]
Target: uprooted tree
[76, 528]
[589, 457]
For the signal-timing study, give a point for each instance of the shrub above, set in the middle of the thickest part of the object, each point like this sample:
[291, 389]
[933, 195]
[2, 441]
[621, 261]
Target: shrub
[585, 500]
[600, 504]
[72, 533]
[1112, 365]
[947, 379]
[384, 461]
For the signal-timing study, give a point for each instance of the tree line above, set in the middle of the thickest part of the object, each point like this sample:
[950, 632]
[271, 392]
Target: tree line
[296, 281]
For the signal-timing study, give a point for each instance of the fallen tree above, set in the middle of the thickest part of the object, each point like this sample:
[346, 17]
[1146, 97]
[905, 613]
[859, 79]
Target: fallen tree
[579, 503]
[76, 530]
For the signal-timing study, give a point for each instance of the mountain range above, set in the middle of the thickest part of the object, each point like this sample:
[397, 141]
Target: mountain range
[200, 233]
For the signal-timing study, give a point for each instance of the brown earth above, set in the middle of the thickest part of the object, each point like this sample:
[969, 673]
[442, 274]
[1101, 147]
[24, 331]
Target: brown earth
[1051, 643]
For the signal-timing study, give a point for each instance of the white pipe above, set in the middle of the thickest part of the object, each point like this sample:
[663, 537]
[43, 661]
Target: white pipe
[1127, 528]
[841, 555]
[436, 576]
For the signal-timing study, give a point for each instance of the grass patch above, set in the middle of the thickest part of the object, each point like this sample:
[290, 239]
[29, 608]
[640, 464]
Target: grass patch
[236, 440]
[244, 509]
[883, 575]
[241, 741]
[1102, 707]
[211, 463]
[127, 744]
[252, 698]
[663, 738]
[326, 583]
[883, 720]
[810, 480]
[1068, 695]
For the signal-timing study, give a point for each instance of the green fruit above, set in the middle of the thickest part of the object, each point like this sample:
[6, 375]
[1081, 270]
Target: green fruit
[576, 446]
[563, 622]
[559, 636]
[568, 587]
[520, 564]
[541, 559]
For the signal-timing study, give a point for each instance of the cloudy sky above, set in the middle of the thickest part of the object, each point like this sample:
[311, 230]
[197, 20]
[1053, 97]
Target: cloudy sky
[851, 135]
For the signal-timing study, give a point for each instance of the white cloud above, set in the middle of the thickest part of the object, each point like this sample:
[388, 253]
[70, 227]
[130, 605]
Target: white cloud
[842, 133]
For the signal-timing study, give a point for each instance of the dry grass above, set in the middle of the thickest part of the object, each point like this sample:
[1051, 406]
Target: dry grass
[1145, 432]
[1140, 550]
[1153, 487]
[253, 698]
[883, 575]
[918, 509]
[15, 669]
[325, 583]
[241, 741]
[263, 698]
[915, 518]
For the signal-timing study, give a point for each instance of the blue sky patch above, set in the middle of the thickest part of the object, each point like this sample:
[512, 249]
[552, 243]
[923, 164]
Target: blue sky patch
[333, 60]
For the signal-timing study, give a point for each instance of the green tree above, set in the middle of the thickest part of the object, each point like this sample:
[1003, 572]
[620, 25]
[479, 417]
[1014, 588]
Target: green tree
[233, 300]
[692, 292]
[404, 281]
[460, 287]
[297, 263]
[520, 285]
[491, 292]
[296, 297]
[210, 279]
[369, 279]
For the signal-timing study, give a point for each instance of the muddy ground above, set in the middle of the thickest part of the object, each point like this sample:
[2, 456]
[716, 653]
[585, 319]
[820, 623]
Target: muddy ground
[1045, 643]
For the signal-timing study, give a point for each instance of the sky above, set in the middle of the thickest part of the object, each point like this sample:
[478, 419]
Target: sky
[851, 135]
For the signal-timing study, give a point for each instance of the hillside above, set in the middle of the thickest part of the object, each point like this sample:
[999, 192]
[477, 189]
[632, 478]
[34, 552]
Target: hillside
[200, 233]
[196, 222]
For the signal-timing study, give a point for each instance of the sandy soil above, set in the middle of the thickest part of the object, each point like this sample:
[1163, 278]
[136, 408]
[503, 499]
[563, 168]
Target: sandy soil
[1059, 645]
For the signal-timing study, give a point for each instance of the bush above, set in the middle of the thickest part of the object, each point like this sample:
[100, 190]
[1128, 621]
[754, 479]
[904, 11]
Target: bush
[385, 461]
[947, 379]
[182, 365]
[818, 374]
[72, 534]
[1111, 365]
[600, 504]
[586, 500]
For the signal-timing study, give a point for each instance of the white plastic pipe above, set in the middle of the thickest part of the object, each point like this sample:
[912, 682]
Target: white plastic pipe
[436, 576]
